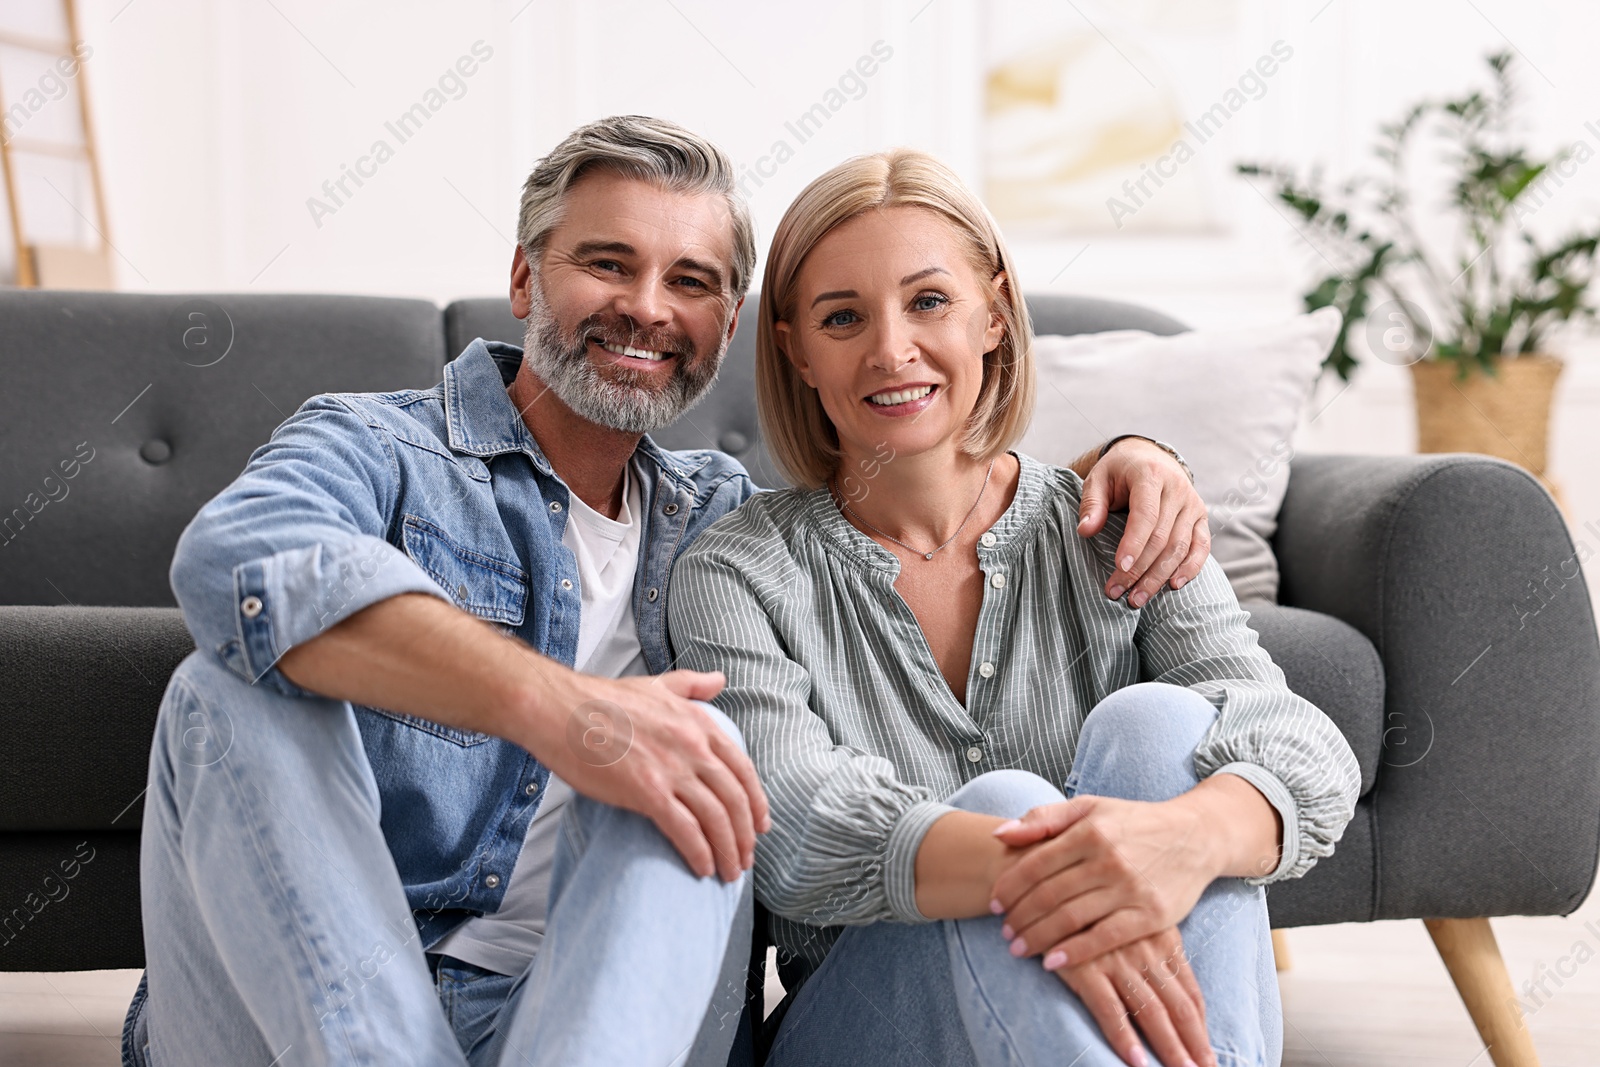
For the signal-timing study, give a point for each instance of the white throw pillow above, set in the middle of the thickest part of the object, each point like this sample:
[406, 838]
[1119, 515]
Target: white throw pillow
[1228, 400]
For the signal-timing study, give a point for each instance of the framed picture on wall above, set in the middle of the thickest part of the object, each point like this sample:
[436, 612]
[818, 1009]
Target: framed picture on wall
[1102, 118]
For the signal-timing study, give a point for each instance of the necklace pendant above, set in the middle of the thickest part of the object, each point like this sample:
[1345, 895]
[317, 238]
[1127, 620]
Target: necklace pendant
[927, 555]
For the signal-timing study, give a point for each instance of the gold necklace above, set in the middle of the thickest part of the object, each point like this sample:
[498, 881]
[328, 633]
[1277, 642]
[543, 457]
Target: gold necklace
[845, 504]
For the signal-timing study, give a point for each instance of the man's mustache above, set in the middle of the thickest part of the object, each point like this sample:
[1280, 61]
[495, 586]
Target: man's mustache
[615, 330]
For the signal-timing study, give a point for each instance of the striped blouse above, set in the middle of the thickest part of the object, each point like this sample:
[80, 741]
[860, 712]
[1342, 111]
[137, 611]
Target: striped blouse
[857, 737]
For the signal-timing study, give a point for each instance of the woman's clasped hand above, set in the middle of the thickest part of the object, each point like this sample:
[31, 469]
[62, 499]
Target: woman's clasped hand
[1097, 887]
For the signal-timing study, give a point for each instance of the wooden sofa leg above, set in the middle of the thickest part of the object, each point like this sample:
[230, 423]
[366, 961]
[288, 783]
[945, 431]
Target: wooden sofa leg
[1280, 950]
[1473, 959]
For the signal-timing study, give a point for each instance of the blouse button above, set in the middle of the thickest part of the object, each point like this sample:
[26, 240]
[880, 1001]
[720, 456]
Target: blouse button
[986, 670]
[975, 754]
[987, 540]
[998, 581]
[566, 583]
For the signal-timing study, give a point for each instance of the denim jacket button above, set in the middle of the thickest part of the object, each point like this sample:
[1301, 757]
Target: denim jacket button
[531, 788]
[251, 606]
[492, 881]
[555, 505]
[651, 594]
[566, 583]
[670, 509]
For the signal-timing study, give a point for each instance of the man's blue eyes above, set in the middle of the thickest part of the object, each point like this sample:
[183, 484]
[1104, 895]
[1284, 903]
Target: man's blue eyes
[613, 265]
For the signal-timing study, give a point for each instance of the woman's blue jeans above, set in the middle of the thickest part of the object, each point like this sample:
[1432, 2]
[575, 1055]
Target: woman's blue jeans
[950, 992]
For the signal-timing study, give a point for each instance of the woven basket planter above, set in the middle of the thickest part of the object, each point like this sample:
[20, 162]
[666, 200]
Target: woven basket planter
[1505, 415]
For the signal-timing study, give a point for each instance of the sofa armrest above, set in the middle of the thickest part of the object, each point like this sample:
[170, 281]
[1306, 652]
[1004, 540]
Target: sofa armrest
[79, 691]
[1462, 573]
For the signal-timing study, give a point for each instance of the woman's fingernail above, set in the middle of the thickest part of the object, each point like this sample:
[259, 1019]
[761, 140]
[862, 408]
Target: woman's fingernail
[1055, 959]
[1018, 947]
[996, 907]
[1138, 599]
[1007, 826]
[1126, 563]
[1136, 1054]
[1116, 591]
[1007, 933]
[1177, 583]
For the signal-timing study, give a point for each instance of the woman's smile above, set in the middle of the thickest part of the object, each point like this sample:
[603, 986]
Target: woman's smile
[899, 401]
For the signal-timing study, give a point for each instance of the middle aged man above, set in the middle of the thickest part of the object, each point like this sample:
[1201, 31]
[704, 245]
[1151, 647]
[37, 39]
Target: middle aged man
[430, 751]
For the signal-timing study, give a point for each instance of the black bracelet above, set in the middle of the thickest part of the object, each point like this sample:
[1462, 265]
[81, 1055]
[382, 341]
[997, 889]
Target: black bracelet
[1168, 449]
[1121, 437]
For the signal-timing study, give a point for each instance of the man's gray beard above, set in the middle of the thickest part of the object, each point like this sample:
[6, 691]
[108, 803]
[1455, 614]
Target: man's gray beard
[625, 404]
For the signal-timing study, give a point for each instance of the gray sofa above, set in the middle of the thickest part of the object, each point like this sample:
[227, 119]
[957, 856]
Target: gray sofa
[1431, 605]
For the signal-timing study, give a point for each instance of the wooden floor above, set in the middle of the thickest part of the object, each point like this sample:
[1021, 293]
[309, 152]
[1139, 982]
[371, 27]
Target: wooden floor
[63, 1020]
[1366, 995]
[1376, 995]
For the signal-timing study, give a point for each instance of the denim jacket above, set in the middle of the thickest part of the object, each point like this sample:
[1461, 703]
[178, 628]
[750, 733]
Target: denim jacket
[361, 496]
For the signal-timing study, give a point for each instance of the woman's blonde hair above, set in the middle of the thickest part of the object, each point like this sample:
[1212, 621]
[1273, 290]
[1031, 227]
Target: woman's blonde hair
[799, 434]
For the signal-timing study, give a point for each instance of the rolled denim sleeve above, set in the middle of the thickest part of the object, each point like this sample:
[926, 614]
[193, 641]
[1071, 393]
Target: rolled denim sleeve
[298, 543]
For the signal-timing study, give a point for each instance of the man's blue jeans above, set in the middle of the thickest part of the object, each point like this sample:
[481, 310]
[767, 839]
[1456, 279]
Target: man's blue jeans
[277, 930]
[950, 992]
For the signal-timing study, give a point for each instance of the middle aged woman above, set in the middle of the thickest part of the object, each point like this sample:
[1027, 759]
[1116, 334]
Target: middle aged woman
[924, 669]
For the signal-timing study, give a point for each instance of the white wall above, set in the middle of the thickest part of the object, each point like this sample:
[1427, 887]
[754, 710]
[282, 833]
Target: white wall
[220, 119]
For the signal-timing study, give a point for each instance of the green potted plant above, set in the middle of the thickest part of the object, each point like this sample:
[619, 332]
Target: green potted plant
[1471, 313]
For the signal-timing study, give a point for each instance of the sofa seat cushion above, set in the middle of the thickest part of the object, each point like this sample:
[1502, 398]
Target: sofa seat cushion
[79, 692]
[1334, 666]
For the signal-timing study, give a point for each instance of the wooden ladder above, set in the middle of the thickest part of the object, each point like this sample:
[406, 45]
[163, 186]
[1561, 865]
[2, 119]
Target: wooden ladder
[53, 265]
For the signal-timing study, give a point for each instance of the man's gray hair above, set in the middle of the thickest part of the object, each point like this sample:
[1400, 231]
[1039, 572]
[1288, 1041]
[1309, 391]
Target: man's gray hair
[648, 149]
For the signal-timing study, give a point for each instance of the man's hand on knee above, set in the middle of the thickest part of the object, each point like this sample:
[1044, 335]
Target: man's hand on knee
[643, 744]
[646, 744]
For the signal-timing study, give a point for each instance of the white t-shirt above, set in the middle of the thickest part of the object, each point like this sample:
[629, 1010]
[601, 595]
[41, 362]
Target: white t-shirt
[607, 553]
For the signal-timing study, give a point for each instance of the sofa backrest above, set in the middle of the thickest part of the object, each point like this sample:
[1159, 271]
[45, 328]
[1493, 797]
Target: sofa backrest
[121, 414]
